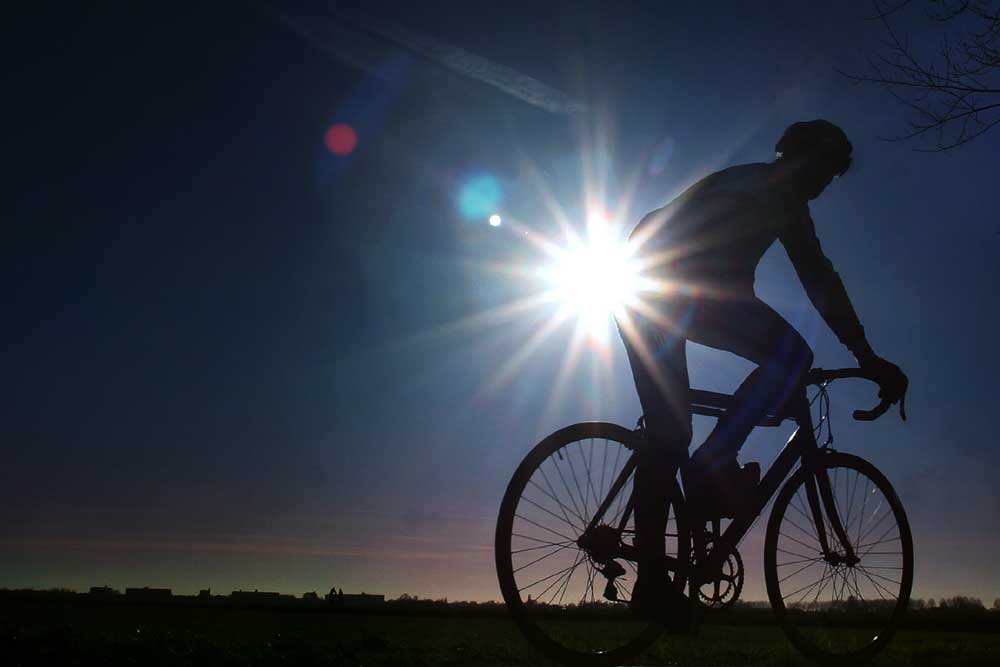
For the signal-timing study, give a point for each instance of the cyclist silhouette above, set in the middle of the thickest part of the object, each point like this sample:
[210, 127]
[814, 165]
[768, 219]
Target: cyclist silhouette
[704, 247]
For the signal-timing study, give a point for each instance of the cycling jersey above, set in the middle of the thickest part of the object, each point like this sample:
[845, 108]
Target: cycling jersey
[710, 238]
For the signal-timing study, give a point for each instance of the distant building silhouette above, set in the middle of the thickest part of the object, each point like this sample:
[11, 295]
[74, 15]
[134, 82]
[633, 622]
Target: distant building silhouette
[205, 593]
[147, 593]
[354, 600]
[255, 596]
[103, 591]
[311, 596]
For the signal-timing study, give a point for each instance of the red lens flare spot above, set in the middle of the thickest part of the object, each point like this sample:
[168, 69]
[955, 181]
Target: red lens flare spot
[340, 138]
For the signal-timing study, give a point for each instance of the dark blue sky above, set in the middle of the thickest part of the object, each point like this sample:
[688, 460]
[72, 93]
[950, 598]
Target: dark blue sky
[237, 360]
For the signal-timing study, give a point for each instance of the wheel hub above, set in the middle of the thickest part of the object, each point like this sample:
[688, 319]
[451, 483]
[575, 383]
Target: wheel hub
[837, 559]
[600, 543]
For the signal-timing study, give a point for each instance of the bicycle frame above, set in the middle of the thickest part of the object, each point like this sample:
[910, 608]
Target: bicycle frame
[801, 445]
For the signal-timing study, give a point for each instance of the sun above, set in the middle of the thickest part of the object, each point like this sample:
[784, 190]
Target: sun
[595, 278]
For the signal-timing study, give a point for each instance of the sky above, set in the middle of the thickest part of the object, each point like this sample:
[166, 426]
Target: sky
[244, 350]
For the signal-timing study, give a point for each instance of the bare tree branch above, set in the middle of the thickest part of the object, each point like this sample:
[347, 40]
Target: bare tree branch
[953, 95]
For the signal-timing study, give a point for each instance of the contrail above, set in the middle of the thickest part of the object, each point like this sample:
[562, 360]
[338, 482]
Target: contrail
[504, 78]
[347, 43]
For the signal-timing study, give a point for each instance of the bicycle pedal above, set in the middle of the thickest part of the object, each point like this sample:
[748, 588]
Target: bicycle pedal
[611, 591]
[613, 570]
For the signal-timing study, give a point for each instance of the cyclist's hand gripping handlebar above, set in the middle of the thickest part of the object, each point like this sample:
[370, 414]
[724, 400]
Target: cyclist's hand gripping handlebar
[818, 376]
[892, 384]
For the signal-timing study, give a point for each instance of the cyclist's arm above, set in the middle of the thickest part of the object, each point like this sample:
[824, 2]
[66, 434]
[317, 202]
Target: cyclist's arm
[823, 284]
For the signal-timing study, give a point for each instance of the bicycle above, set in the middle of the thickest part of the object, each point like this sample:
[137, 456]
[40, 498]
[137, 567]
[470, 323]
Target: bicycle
[838, 572]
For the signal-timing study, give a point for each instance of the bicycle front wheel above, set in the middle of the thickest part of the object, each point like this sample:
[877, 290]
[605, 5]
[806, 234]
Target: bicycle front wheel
[838, 605]
[569, 596]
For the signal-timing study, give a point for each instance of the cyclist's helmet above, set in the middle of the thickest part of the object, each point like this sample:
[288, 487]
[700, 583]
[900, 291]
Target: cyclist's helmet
[816, 138]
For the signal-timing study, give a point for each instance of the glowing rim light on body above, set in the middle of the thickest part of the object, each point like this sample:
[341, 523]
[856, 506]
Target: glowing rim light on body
[595, 278]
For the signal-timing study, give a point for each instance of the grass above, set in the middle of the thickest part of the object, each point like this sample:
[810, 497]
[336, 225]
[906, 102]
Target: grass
[64, 633]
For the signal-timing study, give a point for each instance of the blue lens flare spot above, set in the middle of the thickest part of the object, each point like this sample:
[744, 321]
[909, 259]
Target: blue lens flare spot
[479, 196]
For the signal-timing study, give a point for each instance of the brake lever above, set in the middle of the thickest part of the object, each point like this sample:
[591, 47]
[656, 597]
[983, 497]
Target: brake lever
[874, 413]
[881, 409]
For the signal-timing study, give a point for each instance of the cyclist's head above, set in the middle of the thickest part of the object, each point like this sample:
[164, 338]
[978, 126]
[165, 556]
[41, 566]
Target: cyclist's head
[819, 151]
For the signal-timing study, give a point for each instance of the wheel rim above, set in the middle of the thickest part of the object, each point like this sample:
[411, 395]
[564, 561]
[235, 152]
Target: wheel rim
[845, 602]
[555, 587]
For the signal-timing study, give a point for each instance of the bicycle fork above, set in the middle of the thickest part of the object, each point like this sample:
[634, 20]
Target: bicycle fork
[819, 494]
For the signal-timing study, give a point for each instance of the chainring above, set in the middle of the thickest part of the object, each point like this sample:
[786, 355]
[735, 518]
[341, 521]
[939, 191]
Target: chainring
[724, 590]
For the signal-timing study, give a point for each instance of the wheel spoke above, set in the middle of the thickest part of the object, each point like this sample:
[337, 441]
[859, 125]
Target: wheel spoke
[592, 571]
[569, 578]
[873, 527]
[549, 581]
[804, 532]
[799, 542]
[554, 532]
[796, 562]
[541, 546]
[881, 539]
[576, 481]
[792, 553]
[876, 574]
[864, 506]
[552, 514]
[552, 494]
[547, 577]
[804, 567]
[541, 558]
[878, 587]
[798, 590]
[850, 605]
[544, 542]
[590, 485]
[569, 493]
[833, 574]
[604, 467]
[807, 517]
[850, 502]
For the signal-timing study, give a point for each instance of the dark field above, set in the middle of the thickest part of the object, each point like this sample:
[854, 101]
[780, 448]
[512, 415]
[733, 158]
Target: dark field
[72, 632]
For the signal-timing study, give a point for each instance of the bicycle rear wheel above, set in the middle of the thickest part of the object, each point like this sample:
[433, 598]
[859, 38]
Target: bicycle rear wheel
[842, 605]
[571, 601]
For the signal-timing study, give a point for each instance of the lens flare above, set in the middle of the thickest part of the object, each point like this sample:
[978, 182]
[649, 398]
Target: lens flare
[595, 279]
[479, 195]
[340, 139]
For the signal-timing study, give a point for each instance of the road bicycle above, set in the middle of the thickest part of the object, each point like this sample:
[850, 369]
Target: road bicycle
[838, 553]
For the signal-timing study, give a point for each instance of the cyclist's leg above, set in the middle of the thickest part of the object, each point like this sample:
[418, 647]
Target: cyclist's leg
[659, 367]
[753, 330]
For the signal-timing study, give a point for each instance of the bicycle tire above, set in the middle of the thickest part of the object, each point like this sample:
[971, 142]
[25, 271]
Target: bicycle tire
[529, 619]
[842, 630]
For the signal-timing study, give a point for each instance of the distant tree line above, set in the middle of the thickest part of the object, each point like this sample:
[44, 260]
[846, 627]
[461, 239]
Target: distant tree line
[406, 601]
[956, 603]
